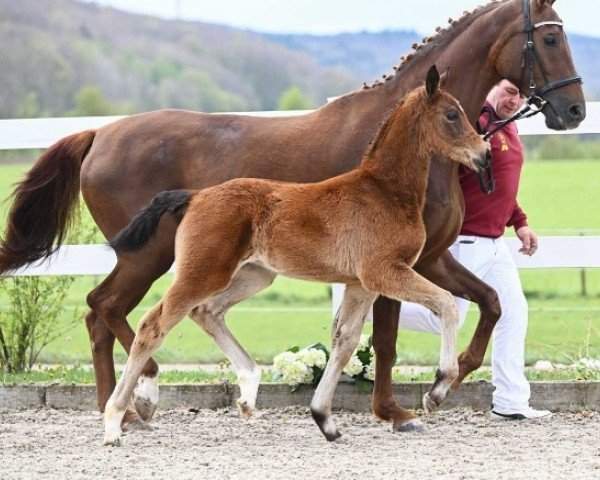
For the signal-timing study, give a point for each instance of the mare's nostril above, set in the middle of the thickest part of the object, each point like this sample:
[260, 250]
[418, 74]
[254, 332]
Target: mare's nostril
[576, 112]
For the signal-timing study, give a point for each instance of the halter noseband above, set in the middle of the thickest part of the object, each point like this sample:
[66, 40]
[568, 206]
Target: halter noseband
[535, 103]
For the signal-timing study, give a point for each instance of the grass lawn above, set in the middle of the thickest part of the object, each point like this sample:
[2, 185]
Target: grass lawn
[563, 324]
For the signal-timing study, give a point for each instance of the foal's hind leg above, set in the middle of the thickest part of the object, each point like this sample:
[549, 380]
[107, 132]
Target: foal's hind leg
[210, 316]
[403, 283]
[350, 319]
[180, 299]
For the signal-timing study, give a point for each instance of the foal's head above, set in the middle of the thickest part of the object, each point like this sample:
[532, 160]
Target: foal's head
[442, 127]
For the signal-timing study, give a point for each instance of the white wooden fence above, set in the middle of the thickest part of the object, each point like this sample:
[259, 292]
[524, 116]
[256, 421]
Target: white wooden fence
[554, 252]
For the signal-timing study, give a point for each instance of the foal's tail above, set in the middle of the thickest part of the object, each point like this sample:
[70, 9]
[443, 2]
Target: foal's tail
[43, 203]
[144, 225]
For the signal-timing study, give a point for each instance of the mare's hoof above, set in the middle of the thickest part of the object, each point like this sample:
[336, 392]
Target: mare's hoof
[137, 424]
[245, 409]
[145, 408]
[415, 426]
[429, 404]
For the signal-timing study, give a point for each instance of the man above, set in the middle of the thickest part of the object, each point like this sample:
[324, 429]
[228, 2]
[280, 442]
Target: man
[481, 248]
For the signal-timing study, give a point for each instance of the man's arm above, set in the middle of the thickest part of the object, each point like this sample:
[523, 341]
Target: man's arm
[529, 239]
[527, 236]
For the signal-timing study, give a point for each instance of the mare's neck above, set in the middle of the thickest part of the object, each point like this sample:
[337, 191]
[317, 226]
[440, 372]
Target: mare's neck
[470, 49]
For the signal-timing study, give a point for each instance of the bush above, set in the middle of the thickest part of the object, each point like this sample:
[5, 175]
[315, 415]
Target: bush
[35, 305]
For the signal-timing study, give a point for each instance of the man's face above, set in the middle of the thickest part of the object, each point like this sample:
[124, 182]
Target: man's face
[505, 99]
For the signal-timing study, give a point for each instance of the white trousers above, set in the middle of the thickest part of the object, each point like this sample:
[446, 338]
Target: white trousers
[491, 261]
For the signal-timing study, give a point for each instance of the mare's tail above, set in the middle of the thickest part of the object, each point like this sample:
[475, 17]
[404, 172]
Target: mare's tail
[145, 223]
[44, 202]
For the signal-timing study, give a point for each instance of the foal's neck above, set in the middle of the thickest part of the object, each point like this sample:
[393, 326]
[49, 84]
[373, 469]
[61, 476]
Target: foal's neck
[398, 160]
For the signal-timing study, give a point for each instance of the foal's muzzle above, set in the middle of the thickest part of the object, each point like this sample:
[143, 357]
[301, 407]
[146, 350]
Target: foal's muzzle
[481, 163]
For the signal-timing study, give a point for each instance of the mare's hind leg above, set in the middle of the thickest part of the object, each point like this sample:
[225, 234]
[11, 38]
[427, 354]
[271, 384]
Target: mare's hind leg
[403, 283]
[385, 330]
[110, 302]
[210, 316]
[350, 319]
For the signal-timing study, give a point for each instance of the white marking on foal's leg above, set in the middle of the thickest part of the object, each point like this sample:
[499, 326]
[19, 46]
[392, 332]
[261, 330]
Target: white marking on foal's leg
[146, 396]
[248, 380]
[112, 424]
[448, 371]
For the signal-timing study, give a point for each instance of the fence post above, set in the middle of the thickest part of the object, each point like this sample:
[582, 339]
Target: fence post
[582, 277]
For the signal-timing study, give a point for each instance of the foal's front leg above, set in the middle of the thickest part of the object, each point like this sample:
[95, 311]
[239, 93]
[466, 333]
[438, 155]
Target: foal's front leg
[404, 284]
[350, 319]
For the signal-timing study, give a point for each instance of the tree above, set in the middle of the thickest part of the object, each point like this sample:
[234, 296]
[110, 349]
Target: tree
[89, 101]
[294, 99]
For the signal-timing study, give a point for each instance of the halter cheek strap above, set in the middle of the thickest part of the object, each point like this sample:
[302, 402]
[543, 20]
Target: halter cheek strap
[532, 57]
[536, 101]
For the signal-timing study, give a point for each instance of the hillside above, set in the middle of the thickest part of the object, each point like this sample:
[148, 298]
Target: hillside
[370, 55]
[64, 57]
[53, 51]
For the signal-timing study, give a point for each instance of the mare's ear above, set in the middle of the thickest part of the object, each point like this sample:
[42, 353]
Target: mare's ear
[433, 81]
[539, 4]
[444, 77]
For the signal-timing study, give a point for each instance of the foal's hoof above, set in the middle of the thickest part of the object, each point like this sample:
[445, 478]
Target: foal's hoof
[414, 425]
[245, 409]
[429, 404]
[332, 436]
[145, 408]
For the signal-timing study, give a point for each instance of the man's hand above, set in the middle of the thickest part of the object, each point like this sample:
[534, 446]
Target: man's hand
[528, 239]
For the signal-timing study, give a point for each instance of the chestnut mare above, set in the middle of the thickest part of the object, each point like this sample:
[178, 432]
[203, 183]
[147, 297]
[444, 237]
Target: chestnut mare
[120, 167]
[363, 228]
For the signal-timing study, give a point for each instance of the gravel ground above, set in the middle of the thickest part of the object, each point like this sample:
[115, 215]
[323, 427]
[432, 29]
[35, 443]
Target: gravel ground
[285, 444]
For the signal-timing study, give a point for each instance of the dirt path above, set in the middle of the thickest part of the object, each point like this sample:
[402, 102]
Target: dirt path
[285, 444]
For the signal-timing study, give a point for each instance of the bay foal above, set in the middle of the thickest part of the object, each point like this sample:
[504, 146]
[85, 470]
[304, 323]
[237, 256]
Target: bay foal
[363, 228]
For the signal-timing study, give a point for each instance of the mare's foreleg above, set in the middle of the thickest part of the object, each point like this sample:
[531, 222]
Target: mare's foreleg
[350, 319]
[385, 330]
[404, 284]
[248, 281]
[450, 275]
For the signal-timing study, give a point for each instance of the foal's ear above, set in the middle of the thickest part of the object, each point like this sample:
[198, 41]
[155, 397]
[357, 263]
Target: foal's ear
[433, 81]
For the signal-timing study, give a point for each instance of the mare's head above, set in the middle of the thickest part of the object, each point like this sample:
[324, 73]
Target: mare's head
[545, 68]
[442, 127]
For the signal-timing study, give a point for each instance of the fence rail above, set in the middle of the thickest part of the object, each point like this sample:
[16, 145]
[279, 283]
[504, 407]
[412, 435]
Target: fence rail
[554, 252]
[42, 132]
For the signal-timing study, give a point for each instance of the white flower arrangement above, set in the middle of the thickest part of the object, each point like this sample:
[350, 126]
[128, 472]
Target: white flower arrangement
[361, 366]
[297, 366]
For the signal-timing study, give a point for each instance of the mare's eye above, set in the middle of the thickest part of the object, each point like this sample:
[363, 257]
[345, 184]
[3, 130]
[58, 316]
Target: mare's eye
[550, 40]
[452, 116]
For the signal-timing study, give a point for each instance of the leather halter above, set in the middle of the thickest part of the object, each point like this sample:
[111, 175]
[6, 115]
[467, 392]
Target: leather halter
[535, 103]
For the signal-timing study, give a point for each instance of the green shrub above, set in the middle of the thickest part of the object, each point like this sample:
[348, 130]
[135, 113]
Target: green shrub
[34, 316]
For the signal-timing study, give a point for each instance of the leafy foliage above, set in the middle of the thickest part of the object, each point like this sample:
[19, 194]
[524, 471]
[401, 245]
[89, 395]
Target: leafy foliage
[119, 63]
[34, 314]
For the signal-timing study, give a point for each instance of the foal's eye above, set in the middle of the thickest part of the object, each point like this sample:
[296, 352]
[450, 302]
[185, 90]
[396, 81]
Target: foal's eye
[452, 116]
[550, 41]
